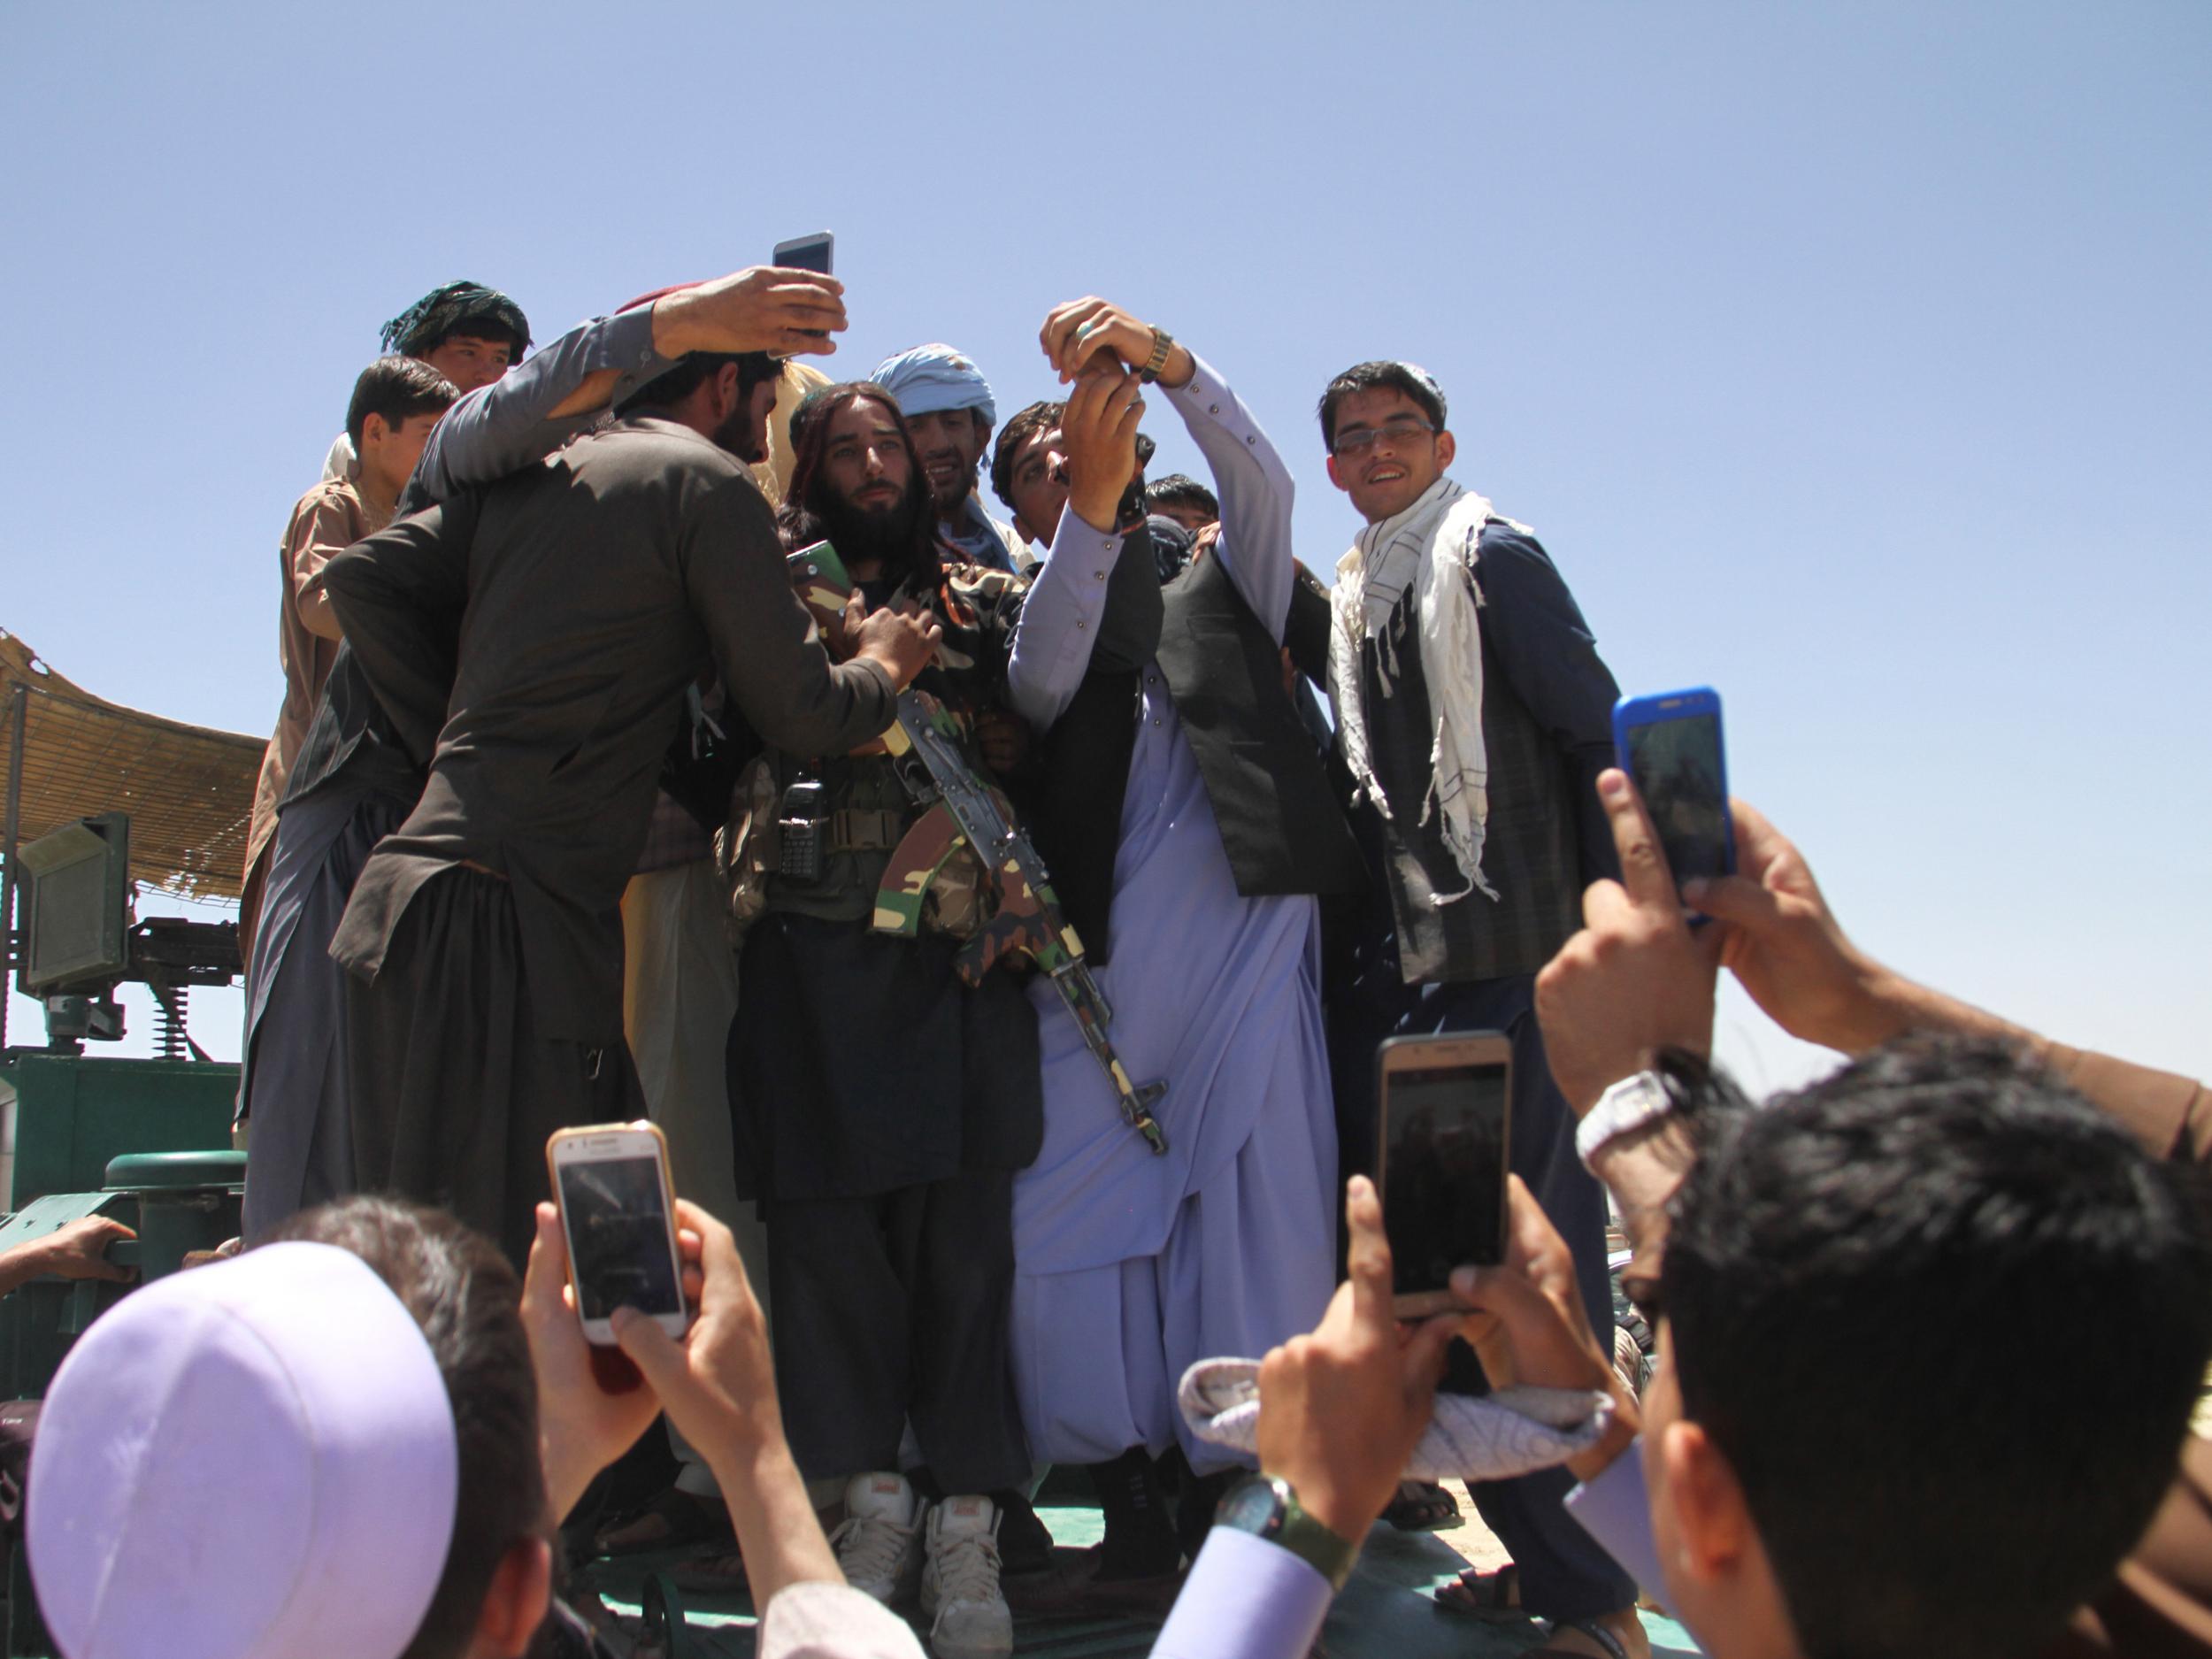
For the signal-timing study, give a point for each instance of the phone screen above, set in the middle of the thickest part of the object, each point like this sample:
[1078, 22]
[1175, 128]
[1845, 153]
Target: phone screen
[1443, 1171]
[618, 1236]
[1677, 767]
[806, 253]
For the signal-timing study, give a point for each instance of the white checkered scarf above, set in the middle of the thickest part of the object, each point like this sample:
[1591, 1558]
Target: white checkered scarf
[1431, 548]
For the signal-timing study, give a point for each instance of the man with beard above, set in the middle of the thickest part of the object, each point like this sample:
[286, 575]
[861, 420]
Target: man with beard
[590, 593]
[881, 1105]
[949, 408]
[354, 781]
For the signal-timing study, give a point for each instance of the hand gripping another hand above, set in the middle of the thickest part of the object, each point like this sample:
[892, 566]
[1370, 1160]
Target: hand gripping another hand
[1100, 428]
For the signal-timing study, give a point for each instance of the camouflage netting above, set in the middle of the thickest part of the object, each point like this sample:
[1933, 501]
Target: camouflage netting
[188, 790]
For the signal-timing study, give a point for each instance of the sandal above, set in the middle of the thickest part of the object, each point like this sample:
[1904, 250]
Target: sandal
[672, 1521]
[1493, 1597]
[1422, 1506]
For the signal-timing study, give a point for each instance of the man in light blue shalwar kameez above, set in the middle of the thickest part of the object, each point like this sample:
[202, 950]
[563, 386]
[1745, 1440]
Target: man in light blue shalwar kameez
[1131, 1266]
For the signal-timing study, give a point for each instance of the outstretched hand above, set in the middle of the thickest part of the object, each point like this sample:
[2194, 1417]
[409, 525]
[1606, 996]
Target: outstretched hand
[1088, 336]
[1342, 1408]
[78, 1249]
[762, 308]
[1635, 979]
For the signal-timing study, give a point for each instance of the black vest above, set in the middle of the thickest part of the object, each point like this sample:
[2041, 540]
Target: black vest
[1282, 826]
[1530, 852]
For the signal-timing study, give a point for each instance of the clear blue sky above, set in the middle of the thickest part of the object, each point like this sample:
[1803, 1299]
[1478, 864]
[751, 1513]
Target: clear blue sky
[1856, 360]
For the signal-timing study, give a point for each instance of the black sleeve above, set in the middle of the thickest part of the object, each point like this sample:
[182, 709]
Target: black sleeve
[1306, 632]
[400, 595]
[770, 657]
[1129, 628]
[1548, 654]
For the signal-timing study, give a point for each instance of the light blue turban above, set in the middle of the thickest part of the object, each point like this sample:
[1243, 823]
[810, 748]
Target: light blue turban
[932, 379]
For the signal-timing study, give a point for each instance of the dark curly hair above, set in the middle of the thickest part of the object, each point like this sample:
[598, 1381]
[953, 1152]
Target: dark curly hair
[810, 511]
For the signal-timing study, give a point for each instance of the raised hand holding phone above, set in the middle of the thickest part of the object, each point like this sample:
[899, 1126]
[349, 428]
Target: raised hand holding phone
[1636, 978]
[1443, 1121]
[1670, 743]
[617, 1213]
[812, 252]
[762, 308]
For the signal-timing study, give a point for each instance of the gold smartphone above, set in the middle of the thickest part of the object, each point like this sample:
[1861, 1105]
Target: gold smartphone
[618, 1214]
[1444, 1130]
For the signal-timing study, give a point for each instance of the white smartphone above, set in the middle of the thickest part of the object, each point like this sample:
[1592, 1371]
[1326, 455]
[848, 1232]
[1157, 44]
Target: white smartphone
[805, 253]
[618, 1214]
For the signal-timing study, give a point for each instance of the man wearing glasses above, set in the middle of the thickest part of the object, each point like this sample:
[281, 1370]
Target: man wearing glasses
[1473, 716]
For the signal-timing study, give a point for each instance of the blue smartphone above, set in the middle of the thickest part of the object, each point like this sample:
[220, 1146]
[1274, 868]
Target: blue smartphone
[1671, 745]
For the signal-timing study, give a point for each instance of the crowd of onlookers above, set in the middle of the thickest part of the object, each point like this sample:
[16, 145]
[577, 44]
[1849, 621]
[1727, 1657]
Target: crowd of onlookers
[575, 813]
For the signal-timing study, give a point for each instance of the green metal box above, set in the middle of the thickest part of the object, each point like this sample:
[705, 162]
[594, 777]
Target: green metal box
[61, 1117]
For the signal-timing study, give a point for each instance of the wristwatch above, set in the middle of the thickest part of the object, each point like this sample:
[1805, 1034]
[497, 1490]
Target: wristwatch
[1628, 1105]
[1267, 1508]
[1163, 342]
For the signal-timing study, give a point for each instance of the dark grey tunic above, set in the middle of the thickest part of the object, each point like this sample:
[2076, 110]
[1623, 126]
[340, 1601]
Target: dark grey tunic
[589, 592]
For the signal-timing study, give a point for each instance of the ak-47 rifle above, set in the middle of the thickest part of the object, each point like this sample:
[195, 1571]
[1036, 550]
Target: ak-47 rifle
[959, 808]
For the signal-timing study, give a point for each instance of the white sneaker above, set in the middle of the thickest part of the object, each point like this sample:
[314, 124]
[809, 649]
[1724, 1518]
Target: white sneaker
[878, 1543]
[960, 1593]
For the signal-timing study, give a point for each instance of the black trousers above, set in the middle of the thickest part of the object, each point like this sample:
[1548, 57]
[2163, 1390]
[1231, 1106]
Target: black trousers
[454, 1087]
[892, 1308]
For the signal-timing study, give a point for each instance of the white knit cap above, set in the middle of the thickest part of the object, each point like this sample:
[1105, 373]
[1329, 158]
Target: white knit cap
[253, 1460]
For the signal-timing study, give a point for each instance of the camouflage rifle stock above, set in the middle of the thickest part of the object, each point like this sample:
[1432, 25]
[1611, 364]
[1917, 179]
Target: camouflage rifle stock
[960, 807]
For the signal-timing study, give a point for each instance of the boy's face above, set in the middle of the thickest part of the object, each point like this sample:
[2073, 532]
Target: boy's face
[469, 360]
[390, 453]
[1386, 453]
[1662, 1406]
[1038, 482]
[1717, 1575]
[1192, 519]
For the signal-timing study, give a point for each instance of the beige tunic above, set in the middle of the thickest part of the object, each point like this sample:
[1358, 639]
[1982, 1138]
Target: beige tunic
[329, 517]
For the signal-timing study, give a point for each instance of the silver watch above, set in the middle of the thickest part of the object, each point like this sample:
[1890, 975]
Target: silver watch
[1629, 1104]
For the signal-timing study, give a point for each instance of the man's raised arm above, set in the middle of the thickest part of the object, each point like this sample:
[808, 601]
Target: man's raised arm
[524, 417]
[1255, 486]
[1070, 593]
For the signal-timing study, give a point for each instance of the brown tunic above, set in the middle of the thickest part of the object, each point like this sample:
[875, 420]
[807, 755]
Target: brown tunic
[330, 517]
